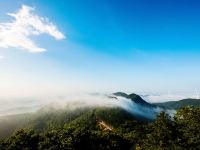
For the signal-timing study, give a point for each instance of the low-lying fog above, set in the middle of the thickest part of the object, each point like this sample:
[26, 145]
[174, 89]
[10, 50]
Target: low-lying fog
[23, 105]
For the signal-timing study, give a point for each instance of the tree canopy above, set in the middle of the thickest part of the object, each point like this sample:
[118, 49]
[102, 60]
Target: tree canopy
[182, 131]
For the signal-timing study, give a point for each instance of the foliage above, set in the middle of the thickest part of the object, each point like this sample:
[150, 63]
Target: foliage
[180, 104]
[165, 133]
[188, 127]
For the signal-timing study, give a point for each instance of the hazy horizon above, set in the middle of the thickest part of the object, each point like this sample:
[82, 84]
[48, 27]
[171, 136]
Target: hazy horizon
[25, 104]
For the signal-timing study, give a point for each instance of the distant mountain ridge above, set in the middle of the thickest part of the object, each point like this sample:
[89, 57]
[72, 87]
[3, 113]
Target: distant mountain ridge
[180, 103]
[166, 105]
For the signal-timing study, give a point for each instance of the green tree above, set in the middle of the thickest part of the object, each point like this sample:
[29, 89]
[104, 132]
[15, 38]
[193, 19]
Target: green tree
[188, 126]
[51, 140]
[23, 139]
[161, 134]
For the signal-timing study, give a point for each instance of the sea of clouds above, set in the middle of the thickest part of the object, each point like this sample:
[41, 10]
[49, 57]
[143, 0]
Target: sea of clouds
[24, 105]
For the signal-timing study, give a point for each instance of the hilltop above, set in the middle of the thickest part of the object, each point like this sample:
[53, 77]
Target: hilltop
[180, 103]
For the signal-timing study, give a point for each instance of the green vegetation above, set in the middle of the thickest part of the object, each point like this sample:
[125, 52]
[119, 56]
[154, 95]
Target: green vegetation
[179, 104]
[105, 128]
[44, 119]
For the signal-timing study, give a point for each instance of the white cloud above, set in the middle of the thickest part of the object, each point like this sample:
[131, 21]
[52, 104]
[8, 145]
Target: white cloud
[1, 57]
[17, 33]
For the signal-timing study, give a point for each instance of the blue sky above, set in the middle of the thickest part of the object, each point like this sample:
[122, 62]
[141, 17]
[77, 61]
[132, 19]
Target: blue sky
[103, 46]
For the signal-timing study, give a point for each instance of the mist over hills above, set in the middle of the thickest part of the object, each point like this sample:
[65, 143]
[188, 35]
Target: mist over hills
[114, 109]
[135, 98]
[12, 106]
[120, 107]
[111, 118]
[175, 104]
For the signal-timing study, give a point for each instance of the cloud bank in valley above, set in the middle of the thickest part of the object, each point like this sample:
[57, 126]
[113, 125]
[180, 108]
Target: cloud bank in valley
[17, 34]
[81, 101]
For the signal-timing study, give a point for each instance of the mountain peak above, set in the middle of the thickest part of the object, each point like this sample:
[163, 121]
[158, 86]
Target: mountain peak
[121, 94]
[134, 97]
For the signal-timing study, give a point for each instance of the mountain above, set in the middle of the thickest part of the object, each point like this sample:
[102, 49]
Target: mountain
[135, 98]
[99, 127]
[121, 94]
[45, 119]
[48, 117]
[180, 103]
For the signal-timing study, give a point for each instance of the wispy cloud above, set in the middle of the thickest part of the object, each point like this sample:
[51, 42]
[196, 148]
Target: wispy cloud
[17, 33]
[1, 57]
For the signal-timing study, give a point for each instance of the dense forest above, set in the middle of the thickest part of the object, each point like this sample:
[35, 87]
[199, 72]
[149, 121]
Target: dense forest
[96, 129]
